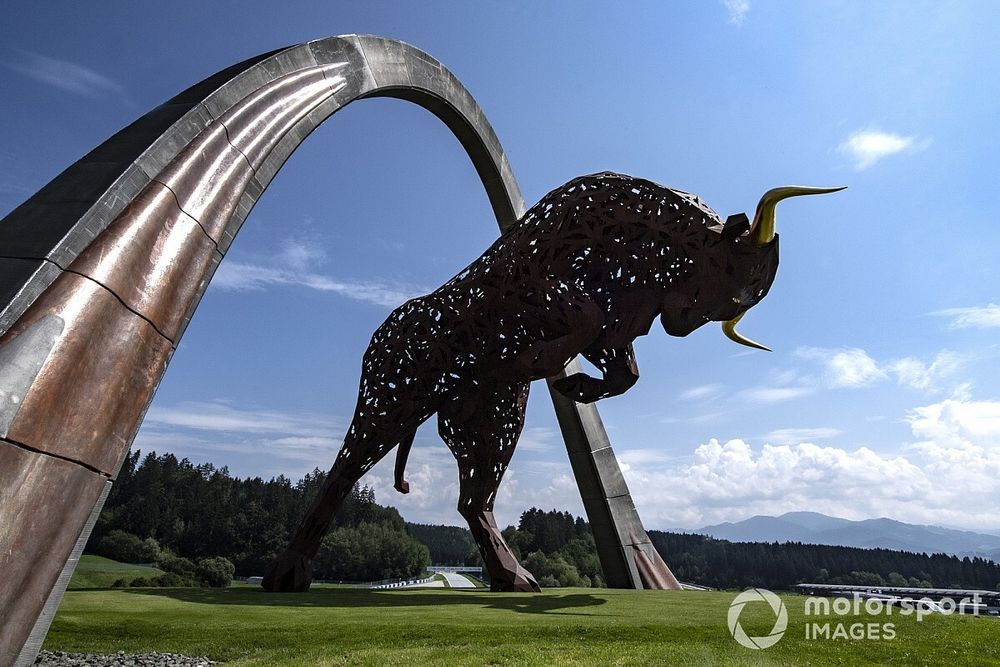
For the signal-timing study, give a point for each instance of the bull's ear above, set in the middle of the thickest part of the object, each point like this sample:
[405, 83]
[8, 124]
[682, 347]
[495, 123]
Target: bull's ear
[736, 225]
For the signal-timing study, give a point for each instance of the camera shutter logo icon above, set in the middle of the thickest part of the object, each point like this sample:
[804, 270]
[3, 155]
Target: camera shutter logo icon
[780, 622]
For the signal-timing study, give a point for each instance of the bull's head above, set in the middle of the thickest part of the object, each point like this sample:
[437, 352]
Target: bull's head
[756, 262]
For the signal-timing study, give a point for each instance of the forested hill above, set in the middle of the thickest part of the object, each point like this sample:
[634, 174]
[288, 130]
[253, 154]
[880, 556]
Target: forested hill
[196, 511]
[199, 511]
[724, 564]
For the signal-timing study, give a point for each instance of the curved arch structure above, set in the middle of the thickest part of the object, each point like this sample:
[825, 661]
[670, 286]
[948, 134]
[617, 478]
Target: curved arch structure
[101, 270]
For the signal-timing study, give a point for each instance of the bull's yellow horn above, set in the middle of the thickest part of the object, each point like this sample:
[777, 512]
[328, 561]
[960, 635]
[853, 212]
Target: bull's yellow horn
[729, 328]
[762, 229]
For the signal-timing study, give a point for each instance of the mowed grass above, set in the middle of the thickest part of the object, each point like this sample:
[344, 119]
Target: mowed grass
[475, 627]
[100, 572]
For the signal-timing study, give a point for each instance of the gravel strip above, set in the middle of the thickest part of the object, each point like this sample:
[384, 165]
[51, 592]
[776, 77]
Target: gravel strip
[120, 659]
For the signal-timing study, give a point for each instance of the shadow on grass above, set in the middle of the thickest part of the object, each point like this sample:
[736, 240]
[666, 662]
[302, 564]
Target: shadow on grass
[527, 603]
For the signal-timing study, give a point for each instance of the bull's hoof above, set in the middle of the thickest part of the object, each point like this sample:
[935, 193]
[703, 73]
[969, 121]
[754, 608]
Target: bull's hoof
[291, 572]
[519, 581]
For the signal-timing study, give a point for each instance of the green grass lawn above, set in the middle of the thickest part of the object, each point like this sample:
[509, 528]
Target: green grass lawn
[100, 572]
[475, 627]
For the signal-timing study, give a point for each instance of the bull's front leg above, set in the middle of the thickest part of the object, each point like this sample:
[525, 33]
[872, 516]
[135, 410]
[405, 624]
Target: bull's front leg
[618, 367]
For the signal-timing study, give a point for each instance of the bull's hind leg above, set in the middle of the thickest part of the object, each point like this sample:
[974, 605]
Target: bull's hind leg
[482, 429]
[365, 444]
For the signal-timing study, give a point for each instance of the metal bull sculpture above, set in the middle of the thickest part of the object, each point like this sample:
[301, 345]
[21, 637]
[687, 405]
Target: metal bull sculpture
[585, 272]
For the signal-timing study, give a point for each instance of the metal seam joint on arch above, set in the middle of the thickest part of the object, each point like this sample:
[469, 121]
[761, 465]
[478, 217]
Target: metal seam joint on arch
[101, 270]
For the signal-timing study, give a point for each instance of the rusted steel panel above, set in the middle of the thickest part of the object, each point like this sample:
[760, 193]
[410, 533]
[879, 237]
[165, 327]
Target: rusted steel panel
[153, 257]
[44, 502]
[95, 380]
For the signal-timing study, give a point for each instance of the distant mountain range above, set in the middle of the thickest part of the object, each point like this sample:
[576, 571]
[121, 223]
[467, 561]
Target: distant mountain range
[815, 528]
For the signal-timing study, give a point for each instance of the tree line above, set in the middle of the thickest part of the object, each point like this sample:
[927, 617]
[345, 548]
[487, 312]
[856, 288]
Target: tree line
[725, 564]
[197, 512]
[559, 550]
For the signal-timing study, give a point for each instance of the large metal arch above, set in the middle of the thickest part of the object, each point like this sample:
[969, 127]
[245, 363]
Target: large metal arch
[101, 270]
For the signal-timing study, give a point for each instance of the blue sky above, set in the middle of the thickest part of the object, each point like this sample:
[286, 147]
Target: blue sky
[882, 396]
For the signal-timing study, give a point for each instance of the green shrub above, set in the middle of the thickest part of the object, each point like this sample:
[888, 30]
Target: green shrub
[216, 572]
[119, 583]
[172, 580]
[140, 582]
[149, 551]
[121, 546]
[169, 562]
[554, 567]
[369, 552]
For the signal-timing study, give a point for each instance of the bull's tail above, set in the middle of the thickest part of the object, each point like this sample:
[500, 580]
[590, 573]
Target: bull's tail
[402, 453]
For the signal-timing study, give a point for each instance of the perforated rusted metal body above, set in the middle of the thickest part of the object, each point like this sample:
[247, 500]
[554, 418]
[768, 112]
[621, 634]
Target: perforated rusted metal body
[585, 271]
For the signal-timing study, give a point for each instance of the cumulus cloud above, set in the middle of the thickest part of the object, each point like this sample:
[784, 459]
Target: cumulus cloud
[848, 367]
[65, 75]
[866, 147]
[854, 368]
[737, 9]
[979, 317]
[916, 374]
[958, 423]
[731, 481]
[295, 266]
[949, 474]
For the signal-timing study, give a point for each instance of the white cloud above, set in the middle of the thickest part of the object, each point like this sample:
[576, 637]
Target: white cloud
[854, 368]
[958, 423]
[737, 9]
[774, 394]
[300, 255]
[980, 317]
[65, 75]
[789, 435]
[916, 374]
[866, 147]
[222, 416]
[434, 487]
[732, 481]
[950, 475]
[266, 443]
[539, 439]
[294, 266]
[252, 442]
[847, 367]
[700, 392]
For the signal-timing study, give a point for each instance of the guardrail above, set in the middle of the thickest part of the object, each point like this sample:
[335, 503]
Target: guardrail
[397, 583]
[463, 569]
